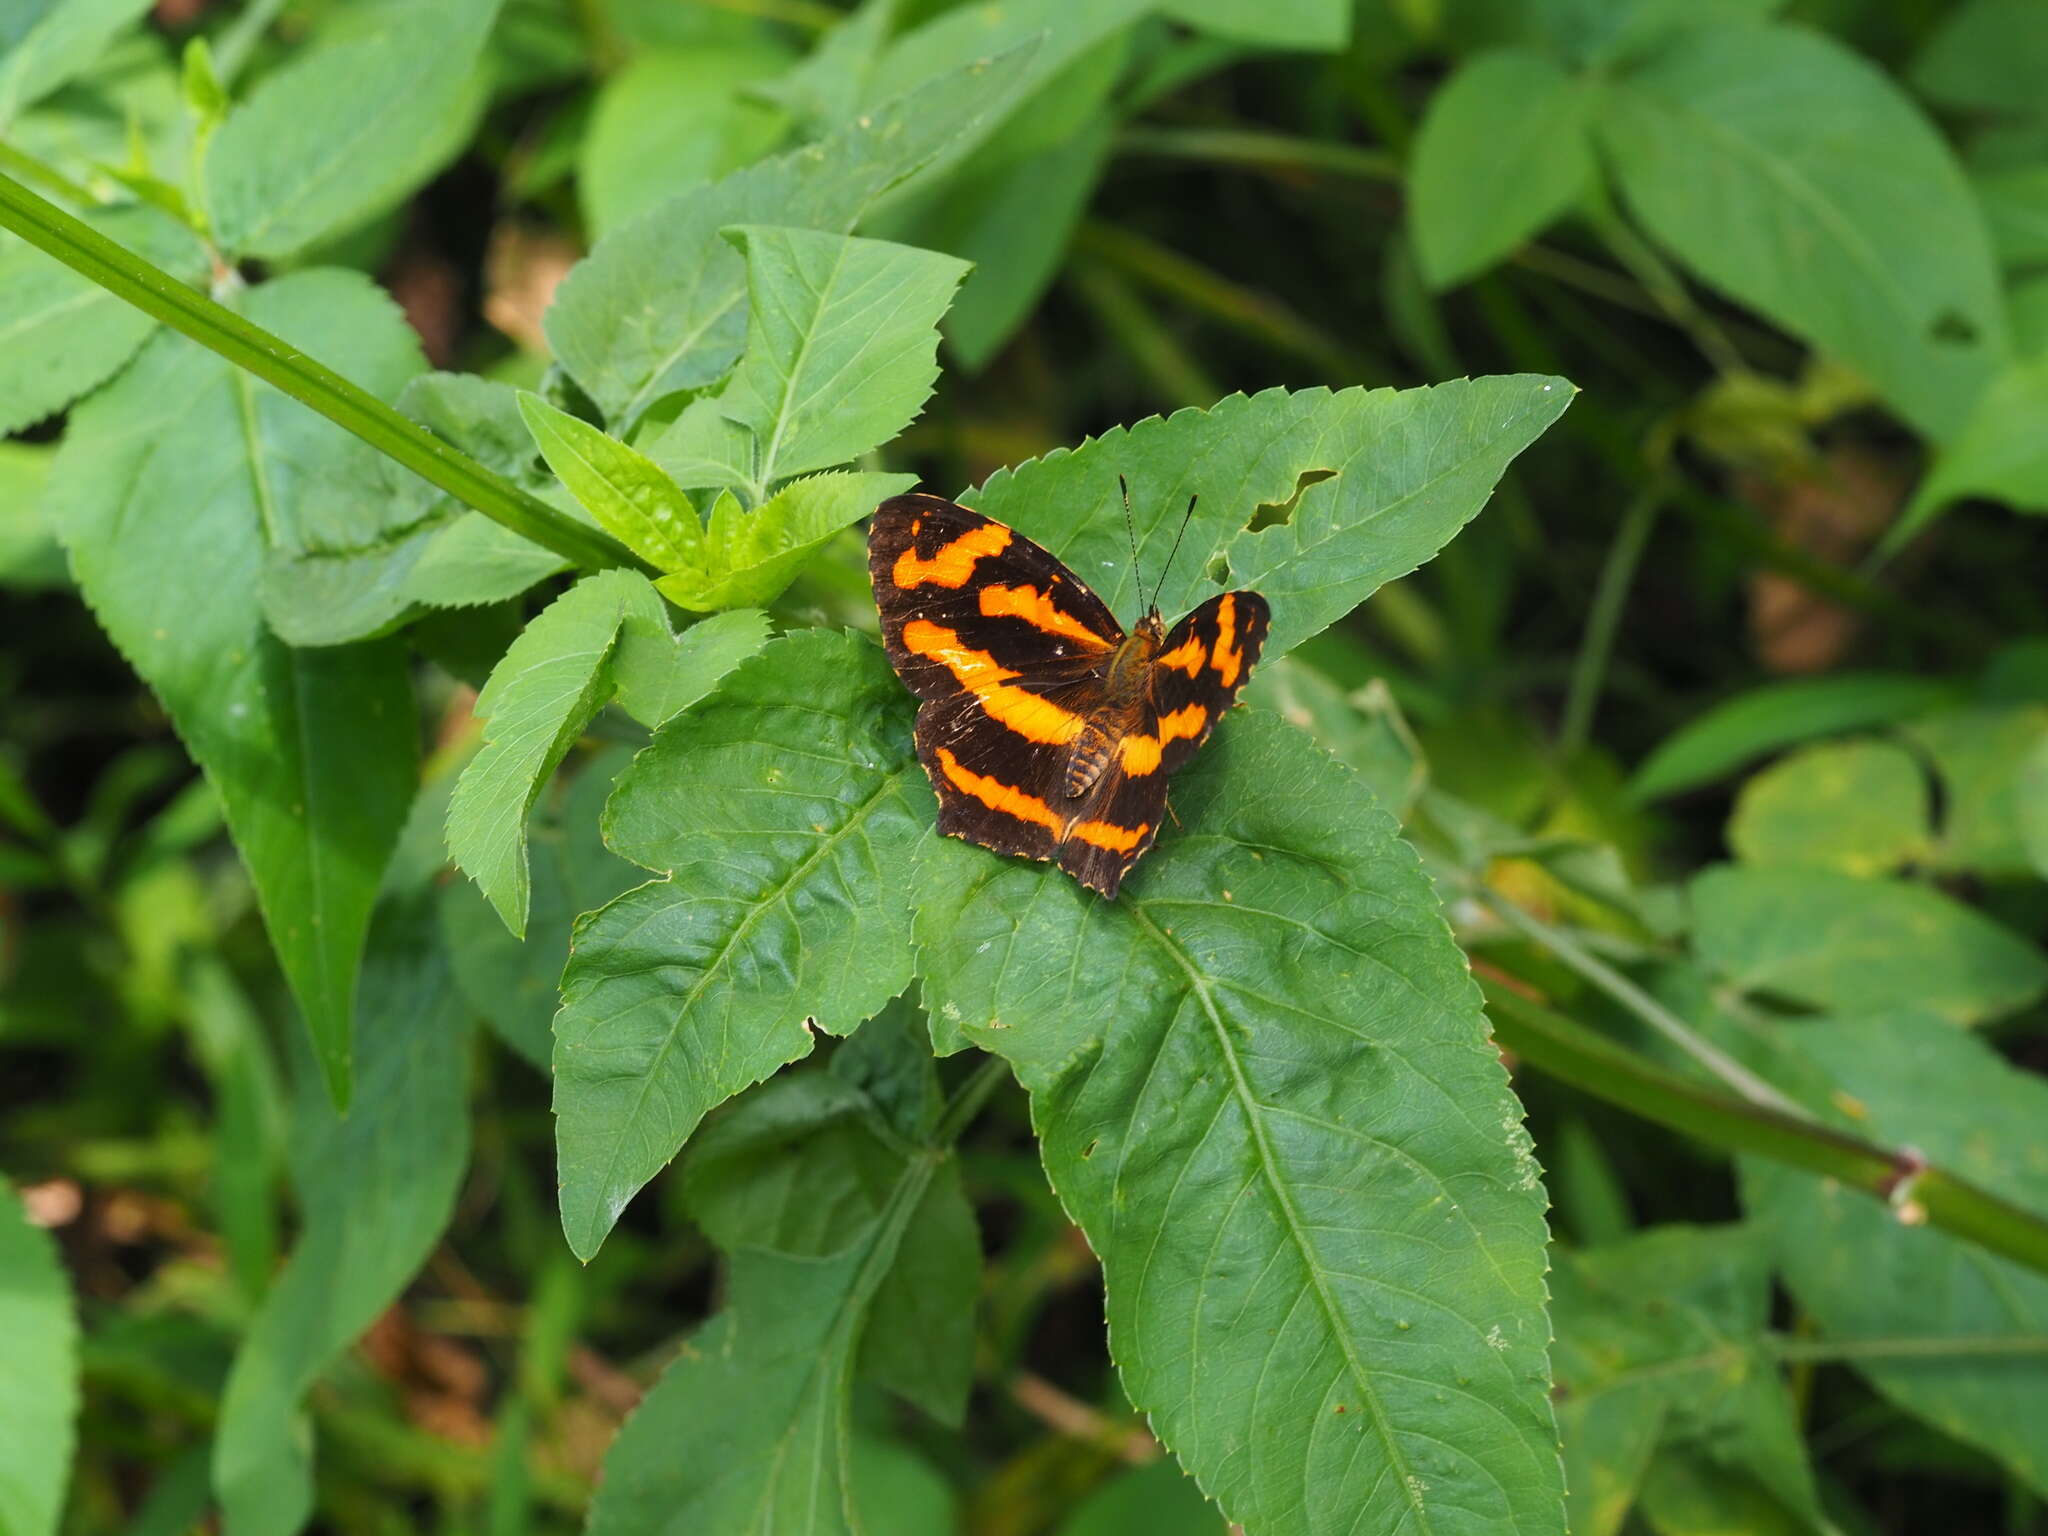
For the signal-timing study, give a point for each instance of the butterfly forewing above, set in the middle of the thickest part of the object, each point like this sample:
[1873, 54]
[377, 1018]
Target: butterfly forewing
[1013, 655]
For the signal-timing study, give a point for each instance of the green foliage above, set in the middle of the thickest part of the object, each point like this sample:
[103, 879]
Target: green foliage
[170, 484]
[38, 1374]
[376, 1189]
[1205, 1118]
[347, 128]
[1504, 151]
[778, 812]
[1846, 945]
[1868, 1275]
[539, 690]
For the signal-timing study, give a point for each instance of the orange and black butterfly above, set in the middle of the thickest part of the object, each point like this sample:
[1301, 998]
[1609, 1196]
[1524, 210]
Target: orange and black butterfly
[1047, 731]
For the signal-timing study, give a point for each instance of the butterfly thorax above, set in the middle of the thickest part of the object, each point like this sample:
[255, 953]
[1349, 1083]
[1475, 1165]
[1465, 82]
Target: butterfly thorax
[1126, 679]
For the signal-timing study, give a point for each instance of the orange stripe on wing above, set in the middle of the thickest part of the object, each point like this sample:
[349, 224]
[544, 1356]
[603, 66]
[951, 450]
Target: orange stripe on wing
[1140, 753]
[1107, 834]
[998, 796]
[952, 563]
[1186, 657]
[1022, 711]
[1229, 656]
[1036, 608]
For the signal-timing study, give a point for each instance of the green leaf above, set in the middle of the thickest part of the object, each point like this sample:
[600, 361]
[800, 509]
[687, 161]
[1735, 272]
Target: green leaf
[346, 128]
[1400, 472]
[2031, 795]
[1848, 945]
[62, 334]
[1367, 735]
[751, 557]
[1660, 1350]
[163, 492]
[628, 494]
[658, 673]
[1262, 1085]
[1754, 724]
[660, 305]
[1797, 178]
[513, 984]
[782, 811]
[1857, 806]
[1987, 54]
[1159, 1500]
[670, 121]
[1980, 754]
[44, 45]
[38, 1374]
[1319, 24]
[1999, 453]
[842, 342]
[1503, 150]
[375, 1189]
[749, 1430]
[1866, 1273]
[30, 557]
[551, 683]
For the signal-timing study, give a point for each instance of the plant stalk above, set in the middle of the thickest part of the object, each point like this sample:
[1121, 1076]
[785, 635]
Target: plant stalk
[270, 358]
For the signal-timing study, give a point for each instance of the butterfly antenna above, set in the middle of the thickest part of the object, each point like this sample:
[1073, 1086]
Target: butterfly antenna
[1131, 529]
[1188, 517]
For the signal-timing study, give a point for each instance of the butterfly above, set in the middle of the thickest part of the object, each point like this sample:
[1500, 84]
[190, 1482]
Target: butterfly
[1048, 732]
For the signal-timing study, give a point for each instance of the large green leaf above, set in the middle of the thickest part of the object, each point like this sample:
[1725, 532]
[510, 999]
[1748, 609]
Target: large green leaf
[1395, 473]
[44, 45]
[375, 1189]
[1262, 1085]
[671, 120]
[63, 334]
[547, 688]
[1866, 1273]
[1797, 178]
[1847, 945]
[1503, 150]
[38, 1375]
[1857, 806]
[346, 129]
[781, 812]
[749, 1431]
[1751, 725]
[660, 305]
[842, 344]
[167, 485]
[1660, 1354]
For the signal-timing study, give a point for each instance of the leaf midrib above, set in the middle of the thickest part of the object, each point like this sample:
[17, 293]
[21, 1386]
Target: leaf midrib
[1297, 1229]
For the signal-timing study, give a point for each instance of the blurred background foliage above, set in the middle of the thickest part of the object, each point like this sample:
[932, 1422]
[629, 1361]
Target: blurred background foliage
[1739, 691]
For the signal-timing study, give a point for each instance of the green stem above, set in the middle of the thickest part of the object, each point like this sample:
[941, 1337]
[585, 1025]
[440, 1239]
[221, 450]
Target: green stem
[1589, 671]
[968, 1100]
[1575, 1055]
[1665, 286]
[1936, 1347]
[1173, 372]
[270, 358]
[1243, 147]
[1638, 1002]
